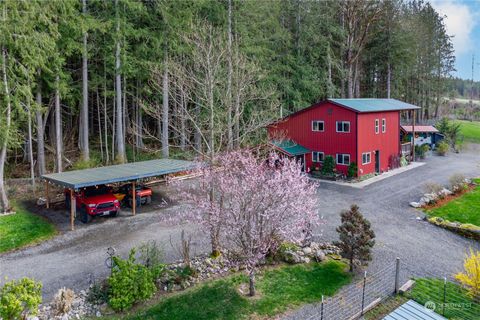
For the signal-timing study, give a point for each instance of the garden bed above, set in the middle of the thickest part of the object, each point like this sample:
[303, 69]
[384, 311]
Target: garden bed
[279, 289]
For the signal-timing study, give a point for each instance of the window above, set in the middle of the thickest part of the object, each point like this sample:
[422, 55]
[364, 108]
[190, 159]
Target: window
[317, 156]
[366, 158]
[377, 126]
[384, 125]
[343, 126]
[317, 125]
[343, 158]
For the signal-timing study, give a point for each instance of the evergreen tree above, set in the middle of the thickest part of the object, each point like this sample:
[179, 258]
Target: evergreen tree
[356, 236]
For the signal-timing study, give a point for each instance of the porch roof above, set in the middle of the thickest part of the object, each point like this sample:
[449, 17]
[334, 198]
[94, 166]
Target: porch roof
[290, 147]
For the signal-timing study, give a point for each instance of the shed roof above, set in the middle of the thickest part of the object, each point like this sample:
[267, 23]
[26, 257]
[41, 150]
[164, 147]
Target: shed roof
[118, 173]
[412, 310]
[290, 147]
[374, 105]
[420, 129]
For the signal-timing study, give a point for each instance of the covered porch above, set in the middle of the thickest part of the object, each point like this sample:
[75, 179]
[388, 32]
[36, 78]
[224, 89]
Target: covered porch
[292, 149]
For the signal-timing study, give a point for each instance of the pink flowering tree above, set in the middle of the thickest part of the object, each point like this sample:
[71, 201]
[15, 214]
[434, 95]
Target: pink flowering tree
[250, 204]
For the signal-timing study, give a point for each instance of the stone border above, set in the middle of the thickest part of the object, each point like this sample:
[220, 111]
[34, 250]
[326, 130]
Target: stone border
[364, 183]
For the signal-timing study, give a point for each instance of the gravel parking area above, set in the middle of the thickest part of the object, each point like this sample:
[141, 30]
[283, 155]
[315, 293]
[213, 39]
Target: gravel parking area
[72, 259]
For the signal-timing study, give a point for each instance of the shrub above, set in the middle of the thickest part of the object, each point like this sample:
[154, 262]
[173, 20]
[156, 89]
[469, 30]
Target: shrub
[432, 187]
[63, 300]
[98, 293]
[20, 298]
[182, 274]
[457, 182]
[422, 150]
[442, 148]
[352, 170]
[403, 161]
[328, 166]
[470, 278]
[284, 249]
[151, 256]
[129, 283]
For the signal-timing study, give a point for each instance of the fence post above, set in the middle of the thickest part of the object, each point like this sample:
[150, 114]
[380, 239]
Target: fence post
[321, 310]
[397, 274]
[444, 294]
[363, 290]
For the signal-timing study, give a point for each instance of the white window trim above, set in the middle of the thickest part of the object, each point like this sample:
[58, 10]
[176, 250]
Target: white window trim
[377, 126]
[318, 152]
[336, 126]
[369, 158]
[343, 156]
[318, 121]
[384, 125]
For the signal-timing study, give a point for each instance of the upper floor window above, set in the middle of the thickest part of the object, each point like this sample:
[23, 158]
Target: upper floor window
[343, 126]
[317, 156]
[377, 126]
[318, 125]
[343, 158]
[384, 125]
[366, 157]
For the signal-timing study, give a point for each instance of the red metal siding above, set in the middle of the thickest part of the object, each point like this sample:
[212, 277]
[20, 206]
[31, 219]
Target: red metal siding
[387, 143]
[298, 128]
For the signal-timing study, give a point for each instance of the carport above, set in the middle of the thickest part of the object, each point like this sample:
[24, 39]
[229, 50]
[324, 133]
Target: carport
[129, 172]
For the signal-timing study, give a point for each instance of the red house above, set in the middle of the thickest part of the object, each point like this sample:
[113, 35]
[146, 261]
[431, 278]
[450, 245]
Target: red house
[364, 131]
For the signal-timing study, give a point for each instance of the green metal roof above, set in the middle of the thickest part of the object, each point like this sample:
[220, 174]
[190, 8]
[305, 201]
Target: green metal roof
[118, 173]
[290, 147]
[412, 310]
[374, 105]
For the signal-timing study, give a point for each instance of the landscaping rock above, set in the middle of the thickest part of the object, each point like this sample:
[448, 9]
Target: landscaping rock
[415, 204]
[307, 250]
[319, 255]
[445, 192]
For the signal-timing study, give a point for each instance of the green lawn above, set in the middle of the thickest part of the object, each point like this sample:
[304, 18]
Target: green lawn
[23, 228]
[464, 209]
[470, 130]
[458, 305]
[277, 290]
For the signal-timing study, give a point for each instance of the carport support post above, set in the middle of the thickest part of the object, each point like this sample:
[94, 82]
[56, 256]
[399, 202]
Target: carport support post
[47, 196]
[134, 198]
[73, 209]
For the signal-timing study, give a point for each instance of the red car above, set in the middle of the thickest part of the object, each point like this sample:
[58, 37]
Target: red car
[94, 201]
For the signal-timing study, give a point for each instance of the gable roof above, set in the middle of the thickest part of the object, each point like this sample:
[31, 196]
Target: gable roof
[359, 106]
[290, 147]
[420, 129]
[374, 105]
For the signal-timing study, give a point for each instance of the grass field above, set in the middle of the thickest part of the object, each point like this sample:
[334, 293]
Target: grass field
[458, 305]
[277, 290]
[23, 228]
[464, 209]
[470, 130]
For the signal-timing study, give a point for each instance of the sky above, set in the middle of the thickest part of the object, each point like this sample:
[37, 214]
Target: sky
[462, 20]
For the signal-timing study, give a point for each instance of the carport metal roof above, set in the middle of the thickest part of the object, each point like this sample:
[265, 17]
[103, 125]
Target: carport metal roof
[118, 173]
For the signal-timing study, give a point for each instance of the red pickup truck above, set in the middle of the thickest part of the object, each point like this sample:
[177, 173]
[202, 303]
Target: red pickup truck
[94, 201]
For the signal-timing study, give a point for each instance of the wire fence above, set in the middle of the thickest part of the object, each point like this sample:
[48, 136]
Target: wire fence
[434, 291]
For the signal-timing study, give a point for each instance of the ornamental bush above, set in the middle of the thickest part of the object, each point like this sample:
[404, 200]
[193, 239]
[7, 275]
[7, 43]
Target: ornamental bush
[129, 283]
[328, 166]
[470, 277]
[352, 170]
[20, 299]
[442, 148]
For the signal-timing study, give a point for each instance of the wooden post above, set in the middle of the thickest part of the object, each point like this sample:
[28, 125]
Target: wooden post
[134, 198]
[397, 275]
[47, 196]
[73, 209]
[413, 136]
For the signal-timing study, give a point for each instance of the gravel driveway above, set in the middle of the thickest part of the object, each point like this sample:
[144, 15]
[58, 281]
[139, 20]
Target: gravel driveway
[72, 259]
